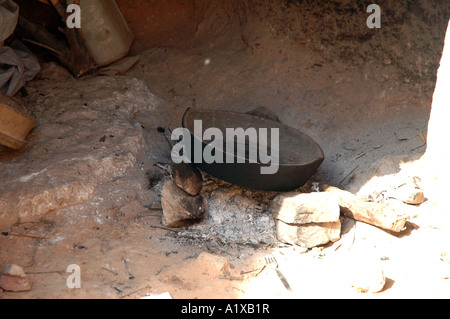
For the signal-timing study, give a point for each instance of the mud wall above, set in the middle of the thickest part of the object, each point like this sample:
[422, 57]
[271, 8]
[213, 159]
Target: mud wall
[316, 64]
[411, 33]
[404, 52]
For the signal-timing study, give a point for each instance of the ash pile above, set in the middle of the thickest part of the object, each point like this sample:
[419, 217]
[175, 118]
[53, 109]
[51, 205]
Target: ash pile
[200, 209]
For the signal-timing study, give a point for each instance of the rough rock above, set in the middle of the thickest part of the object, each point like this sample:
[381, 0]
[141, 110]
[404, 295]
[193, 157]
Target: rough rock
[188, 178]
[304, 208]
[179, 208]
[308, 235]
[14, 279]
[306, 219]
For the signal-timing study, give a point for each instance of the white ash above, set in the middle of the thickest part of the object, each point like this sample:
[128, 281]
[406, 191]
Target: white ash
[233, 219]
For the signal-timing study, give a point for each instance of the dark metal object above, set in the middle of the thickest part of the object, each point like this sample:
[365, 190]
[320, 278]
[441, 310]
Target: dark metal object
[299, 155]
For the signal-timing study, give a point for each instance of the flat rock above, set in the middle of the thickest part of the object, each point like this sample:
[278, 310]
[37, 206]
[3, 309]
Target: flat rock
[304, 208]
[179, 208]
[14, 279]
[308, 235]
[85, 148]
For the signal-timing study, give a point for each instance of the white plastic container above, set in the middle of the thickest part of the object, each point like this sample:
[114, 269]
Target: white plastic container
[104, 30]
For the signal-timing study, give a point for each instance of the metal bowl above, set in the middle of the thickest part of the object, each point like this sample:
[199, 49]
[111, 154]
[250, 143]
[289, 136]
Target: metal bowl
[299, 156]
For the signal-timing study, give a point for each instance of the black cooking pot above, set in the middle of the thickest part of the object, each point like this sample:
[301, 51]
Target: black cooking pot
[298, 155]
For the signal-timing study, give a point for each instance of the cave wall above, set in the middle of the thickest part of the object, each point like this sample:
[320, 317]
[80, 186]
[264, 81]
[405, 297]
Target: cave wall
[412, 31]
[316, 64]
[405, 51]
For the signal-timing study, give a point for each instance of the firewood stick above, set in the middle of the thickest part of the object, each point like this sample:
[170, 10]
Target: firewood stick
[42, 37]
[43, 46]
[376, 214]
[77, 58]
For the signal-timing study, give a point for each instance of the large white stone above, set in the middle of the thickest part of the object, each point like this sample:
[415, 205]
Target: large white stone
[304, 208]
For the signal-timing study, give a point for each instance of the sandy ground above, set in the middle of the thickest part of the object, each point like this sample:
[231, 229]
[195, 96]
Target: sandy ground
[358, 96]
[131, 257]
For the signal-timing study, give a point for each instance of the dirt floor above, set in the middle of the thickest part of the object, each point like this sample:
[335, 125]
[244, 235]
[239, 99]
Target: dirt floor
[86, 191]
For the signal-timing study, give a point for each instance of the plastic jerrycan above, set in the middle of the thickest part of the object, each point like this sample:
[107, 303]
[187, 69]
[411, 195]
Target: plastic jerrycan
[104, 30]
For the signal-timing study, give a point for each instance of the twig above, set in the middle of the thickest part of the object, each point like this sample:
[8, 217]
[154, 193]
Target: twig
[415, 148]
[169, 141]
[118, 289]
[423, 136]
[128, 269]
[161, 166]
[348, 148]
[41, 36]
[139, 216]
[165, 228]
[260, 271]
[250, 271]
[111, 271]
[77, 58]
[338, 245]
[135, 291]
[30, 236]
[348, 175]
[45, 272]
[33, 258]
